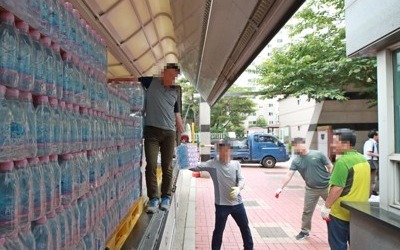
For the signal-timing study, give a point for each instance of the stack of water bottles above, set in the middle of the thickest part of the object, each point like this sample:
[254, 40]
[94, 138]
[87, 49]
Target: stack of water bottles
[69, 147]
[187, 156]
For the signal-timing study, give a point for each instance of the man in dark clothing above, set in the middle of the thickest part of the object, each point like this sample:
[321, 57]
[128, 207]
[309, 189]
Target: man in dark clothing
[162, 120]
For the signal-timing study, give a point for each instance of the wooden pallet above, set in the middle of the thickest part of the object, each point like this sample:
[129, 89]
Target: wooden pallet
[123, 230]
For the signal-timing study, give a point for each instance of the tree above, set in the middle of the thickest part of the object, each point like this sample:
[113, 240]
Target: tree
[261, 122]
[230, 111]
[316, 64]
[190, 104]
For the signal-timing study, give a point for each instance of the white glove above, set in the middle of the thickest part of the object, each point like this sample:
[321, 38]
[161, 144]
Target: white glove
[277, 192]
[325, 213]
[234, 193]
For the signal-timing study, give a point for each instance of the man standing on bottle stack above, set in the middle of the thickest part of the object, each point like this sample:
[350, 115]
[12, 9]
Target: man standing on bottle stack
[314, 167]
[162, 120]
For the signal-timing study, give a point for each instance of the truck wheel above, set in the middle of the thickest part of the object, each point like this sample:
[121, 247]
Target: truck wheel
[268, 162]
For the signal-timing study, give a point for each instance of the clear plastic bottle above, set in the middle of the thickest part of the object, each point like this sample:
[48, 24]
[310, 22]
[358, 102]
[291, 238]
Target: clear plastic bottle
[57, 179]
[66, 127]
[69, 74]
[39, 87]
[75, 210]
[54, 229]
[48, 174]
[45, 16]
[89, 241]
[8, 199]
[79, 128]
[19, 128]
[44, 126]
[70, 26]
[25, 199]
[54, 19]
[57, 126]
[13, 242]
[64, 228]
[5, 123]
[83, 215]
[100, 237]
[39, 197]
[59, 69]
[24, 58]
[8, 50]
[50, 74]
[86, 129]
[26, 238]
[69, 214]
[68, 173]
[73, 128]
[42, 234]
[27, 105]
[93, 169]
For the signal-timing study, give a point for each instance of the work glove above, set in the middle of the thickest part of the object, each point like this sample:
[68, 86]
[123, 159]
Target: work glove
[325, 213]
[234, 193]
[277, 192]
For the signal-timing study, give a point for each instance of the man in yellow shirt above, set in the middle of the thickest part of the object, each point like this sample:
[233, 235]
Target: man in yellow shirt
[350, 181]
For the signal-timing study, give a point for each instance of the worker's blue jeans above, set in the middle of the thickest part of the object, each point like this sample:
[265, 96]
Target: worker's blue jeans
[239, 215]
[338, 233]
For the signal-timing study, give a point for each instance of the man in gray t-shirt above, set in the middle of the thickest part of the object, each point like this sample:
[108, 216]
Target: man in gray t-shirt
[162, 120]
[228, 181]
[315, 168]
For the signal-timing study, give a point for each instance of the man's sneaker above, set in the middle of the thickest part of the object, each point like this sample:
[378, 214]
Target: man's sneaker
[302, 235]
[165, 204]
[152, 207]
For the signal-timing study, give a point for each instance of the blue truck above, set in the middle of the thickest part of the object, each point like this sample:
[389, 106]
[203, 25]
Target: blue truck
[265, 149]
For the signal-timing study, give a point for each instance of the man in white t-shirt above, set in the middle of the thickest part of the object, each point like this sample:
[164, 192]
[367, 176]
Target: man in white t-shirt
[371, 153]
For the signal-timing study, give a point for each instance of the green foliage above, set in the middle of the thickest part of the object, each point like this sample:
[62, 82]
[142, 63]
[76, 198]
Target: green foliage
[261, 122]
[230, 111]
[315, 63]
[190, 103]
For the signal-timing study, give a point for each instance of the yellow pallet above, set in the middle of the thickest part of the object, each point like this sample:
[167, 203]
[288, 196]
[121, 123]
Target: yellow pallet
[123, 230]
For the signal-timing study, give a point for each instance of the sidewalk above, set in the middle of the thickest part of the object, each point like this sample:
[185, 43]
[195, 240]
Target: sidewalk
[274, 222]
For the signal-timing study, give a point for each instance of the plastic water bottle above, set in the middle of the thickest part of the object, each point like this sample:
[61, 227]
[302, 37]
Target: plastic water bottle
[66, 127]
[68, 173]
[44, 16]
[8, 199]
[78, 119]
[19, 126]
[93, 169]
[86, 129]
[27, 105]
[50, 73]
[39, 196]
[44, 126]
[5, 123]
[48, 175]
[25, 199]
[89, 241]
[75, 212]
[54, 229]
[8, 50]
[73, 128]
[100, 237]
[59, 69]
[68, 83]
[57, 126]
[64, 227]
[54, 19]
[26, 238]
[57, 180]
[13, 242]
[24, 58]
[70, 218]
[83, 215]
[42, 234]
[39, 87]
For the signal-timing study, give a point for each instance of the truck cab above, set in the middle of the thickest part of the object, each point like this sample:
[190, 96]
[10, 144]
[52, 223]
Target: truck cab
[265, 149]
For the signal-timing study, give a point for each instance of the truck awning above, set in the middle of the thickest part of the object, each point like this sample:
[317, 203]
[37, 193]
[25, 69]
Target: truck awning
[213, 41]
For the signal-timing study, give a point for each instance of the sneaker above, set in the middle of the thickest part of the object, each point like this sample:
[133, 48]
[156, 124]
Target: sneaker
[165, 204]
[302, 235]
[152, 207]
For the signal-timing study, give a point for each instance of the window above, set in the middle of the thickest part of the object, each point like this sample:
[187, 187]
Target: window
[396, 90]
[279, 40]
[270, 105]
[298, 101]
[271, 122]
[270, 114]
[298, 128]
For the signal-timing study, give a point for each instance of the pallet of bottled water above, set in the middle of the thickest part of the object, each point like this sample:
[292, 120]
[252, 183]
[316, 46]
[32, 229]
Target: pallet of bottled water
[187, 156]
